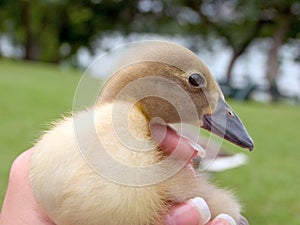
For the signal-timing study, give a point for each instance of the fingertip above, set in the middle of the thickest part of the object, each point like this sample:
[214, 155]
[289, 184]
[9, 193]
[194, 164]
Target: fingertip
[174, 144]
[202, 208]
[183, 214]
[193, 212]
[227, 218]
[243, 221]
[223, 219]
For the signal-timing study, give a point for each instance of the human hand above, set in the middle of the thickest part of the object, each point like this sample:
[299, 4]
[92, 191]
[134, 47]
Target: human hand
[195, 211]
[20, 207]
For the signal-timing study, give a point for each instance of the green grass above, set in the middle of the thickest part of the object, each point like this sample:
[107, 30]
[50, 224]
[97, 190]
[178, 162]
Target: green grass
[32, 95]
[269, 186]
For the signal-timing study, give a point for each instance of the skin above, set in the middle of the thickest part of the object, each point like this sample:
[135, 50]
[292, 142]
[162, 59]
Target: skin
[19, 206]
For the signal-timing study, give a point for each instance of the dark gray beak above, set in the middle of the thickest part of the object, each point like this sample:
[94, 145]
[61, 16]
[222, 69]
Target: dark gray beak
[226, 124]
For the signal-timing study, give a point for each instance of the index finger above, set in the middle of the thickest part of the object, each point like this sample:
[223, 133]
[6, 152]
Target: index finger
[170, 141]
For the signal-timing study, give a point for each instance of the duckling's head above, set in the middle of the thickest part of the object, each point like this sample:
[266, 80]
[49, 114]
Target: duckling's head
[171, 84]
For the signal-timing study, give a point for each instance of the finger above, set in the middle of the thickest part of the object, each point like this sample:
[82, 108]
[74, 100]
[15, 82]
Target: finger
[193, 212]
[19, 206]
[222, 219]
[243, 221]
[170, 141]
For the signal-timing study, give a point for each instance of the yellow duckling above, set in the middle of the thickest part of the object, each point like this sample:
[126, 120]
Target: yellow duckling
[101, 166]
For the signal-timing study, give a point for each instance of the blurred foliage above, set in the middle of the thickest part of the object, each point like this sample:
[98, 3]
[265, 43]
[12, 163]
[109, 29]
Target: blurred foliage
[53, 30]
[50, 30]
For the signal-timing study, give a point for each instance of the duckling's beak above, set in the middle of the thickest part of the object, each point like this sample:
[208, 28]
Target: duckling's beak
[225, 123]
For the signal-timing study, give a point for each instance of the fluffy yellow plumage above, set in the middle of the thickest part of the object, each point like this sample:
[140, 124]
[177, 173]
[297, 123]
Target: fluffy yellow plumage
[72, 192]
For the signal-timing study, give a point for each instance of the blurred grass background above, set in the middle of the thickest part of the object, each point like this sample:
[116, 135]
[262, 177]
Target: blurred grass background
[34, 94]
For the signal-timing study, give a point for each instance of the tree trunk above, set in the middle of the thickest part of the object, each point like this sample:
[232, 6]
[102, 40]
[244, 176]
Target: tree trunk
[239, 50]
[31, 46]
[235, 55]
[273, 57]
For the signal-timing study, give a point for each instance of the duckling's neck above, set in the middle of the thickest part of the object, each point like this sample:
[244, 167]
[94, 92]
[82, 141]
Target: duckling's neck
[154, 87]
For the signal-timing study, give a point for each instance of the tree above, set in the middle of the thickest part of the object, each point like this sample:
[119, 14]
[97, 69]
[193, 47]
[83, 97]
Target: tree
[285, 26]
[53, 30]
[34, 25]
[240, 22]
[43, 27]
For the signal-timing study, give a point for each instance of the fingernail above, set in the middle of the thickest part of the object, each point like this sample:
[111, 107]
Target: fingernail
[169, 220]
[202, 208]
[223, 217]
[197, 147]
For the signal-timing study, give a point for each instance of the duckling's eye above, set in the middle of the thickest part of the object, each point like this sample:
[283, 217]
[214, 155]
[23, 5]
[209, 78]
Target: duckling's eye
[197, 80]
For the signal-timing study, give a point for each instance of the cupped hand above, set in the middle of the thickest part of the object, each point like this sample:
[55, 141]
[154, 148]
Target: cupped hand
[195, 211]
[20, 207]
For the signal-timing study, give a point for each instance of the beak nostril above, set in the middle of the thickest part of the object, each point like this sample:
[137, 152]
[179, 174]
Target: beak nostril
[230, 113]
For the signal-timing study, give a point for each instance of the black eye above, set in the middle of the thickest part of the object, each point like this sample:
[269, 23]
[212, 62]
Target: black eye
[197, 80]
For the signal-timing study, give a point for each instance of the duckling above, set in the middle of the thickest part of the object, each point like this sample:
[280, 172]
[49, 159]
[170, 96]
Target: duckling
[102, 166]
